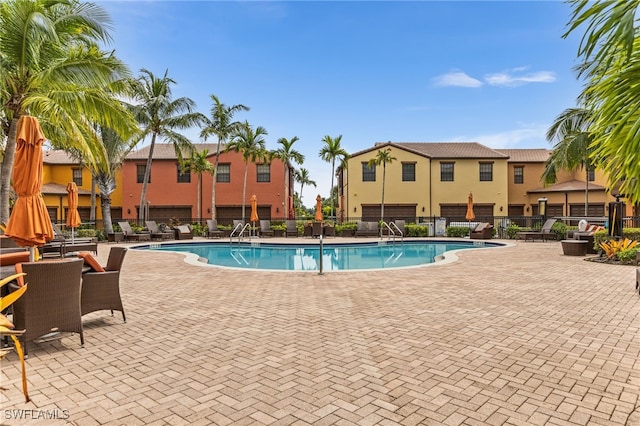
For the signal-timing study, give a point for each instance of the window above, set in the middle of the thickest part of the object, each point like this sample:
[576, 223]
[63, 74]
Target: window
[183, 177]
[77, 176]
[224, 172]
[368, 172]
[486, 172]
[591, 175]
[264, 172]
[518, 174]
[140, 168]
[446, 172]
[408, 172]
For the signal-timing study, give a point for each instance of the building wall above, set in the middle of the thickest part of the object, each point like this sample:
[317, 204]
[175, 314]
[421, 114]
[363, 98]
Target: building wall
[165, 190]
[396, 191]
[467, 180]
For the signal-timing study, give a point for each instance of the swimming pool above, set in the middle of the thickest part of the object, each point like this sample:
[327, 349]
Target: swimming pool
[258, 255]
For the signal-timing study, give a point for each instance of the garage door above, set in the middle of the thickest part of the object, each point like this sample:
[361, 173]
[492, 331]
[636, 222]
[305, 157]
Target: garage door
[227, 214]
[458, 212]
[406, 212]
[163, 214]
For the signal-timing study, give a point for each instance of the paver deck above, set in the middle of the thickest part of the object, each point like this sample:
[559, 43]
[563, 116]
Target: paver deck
[520, 335]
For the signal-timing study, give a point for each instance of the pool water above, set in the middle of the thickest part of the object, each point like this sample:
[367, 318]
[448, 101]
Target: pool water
[306, 257]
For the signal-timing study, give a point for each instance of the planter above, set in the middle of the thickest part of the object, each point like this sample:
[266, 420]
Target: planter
[115, 237]
[278, 232]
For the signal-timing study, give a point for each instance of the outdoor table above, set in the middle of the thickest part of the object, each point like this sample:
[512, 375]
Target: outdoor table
[574, 247]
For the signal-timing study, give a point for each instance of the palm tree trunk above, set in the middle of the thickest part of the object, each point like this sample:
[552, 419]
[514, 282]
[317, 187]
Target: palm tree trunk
[213, 184]
[105, 204]
[199, 195]
[244, 188]
[384, 172]
[7, 169]
[333, 172]
[285, 198]
[92, 212]
[145, 180]
[586, 194]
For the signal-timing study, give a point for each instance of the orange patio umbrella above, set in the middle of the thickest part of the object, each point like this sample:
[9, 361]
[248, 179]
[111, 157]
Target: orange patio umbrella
[470, 214]
[73, 217]
[29, 224]
[254, 208]
[318, 209]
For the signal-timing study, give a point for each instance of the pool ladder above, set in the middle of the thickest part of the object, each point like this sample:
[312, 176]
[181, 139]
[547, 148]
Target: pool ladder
[238, 231]
[393, 231]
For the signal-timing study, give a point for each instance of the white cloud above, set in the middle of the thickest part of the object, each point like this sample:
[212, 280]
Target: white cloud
[456, 78]
[527, 136]
[514, 77]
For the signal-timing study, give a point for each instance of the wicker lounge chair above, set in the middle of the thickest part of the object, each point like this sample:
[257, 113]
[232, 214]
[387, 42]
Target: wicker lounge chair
[52, 301]
[367, 229]
[544, 233]
[183, 232]
[265, 228]
[212, 229]
[61, 245]
[483, 231]
[292, 228]
[156, 233]
[129, 235]
[101, 290]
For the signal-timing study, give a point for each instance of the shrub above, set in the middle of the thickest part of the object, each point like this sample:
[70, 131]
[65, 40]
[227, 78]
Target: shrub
[612, 248]
[346, 229]
[86, 233]
[560, 229]
[628, 255]
[416, 230]
[512, 230]
[457, 231]
[198, 229]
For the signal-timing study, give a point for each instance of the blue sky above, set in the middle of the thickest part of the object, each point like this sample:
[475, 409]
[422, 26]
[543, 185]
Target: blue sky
[497, 73]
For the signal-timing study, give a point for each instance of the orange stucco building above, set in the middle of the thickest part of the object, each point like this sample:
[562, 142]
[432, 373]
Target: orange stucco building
[172, 194]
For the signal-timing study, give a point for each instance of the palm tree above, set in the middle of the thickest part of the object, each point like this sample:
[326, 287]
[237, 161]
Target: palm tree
[383, 157]
[104, 173]
[51, 67]
[199, 164]
[159, 115]
[251, 144]
[610, 56]
[332, 151]
[287, 154]
[572, 150]
[302, 176]
[220, 124]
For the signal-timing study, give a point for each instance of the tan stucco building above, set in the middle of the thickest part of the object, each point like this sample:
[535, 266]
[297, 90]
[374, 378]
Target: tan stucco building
[434, 180]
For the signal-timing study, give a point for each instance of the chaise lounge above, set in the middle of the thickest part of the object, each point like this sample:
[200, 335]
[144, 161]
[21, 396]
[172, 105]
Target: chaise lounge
[544, 233]
[367, 229]
[483, 231]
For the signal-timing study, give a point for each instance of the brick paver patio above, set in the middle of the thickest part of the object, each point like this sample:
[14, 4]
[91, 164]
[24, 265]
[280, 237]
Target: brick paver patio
[516, 335]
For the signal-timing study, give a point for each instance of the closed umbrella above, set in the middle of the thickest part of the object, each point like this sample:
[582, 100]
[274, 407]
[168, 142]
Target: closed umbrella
[318, 209]
[254, 210]
[73, 217]
[29, 224]
[470, 214]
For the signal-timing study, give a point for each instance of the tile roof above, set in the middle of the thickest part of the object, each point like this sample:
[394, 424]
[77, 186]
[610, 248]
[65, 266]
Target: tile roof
[165, 151]
[445, 149]
[58, 189]
[58, 156]
[534, 155]
[569, 186]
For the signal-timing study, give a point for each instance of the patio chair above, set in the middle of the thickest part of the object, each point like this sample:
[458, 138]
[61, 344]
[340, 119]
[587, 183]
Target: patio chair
[101, 290]
[212, 229]
[183, 232]
[156, 233]
[292, 228]
[316, 229]
[61, 245]
[265, 228]
[129, 235]
[544, 233]
[52, 302]
[483, 231]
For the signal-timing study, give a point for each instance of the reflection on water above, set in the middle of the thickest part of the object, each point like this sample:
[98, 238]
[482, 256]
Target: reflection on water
[307, 258]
